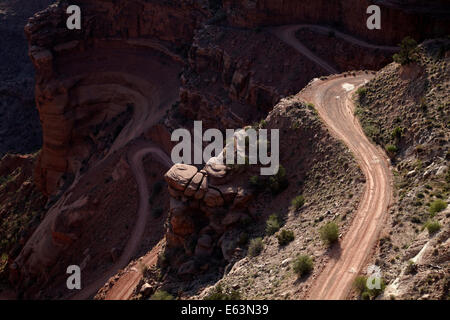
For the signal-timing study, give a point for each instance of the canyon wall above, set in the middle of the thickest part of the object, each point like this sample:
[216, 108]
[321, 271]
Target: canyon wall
[123, 64]
[398, 19]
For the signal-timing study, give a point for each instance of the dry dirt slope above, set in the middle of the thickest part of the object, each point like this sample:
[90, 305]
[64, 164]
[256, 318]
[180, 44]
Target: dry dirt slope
[407, 111]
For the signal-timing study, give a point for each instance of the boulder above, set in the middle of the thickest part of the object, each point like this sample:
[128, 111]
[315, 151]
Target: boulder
[216, 173]
[202, 189]
[194, 185]
[146, 290]
[179, 176]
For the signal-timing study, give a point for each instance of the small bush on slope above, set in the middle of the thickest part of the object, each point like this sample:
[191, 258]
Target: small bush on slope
[255, 247]
[272, 225]
[329, 233]
[285, 237]
[303, 265]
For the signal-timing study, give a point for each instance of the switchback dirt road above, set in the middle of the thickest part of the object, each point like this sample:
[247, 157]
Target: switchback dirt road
[136, 156]
[333, 100]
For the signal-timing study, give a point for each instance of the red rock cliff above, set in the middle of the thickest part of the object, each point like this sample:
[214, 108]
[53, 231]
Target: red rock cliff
[399, 19]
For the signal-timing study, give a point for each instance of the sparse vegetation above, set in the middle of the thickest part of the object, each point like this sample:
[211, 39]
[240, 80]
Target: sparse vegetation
[360, 285]
[256, 246]
[329, 233]
[161, 295]
[408, 52]
[219, 293]
[397, 133]
[298, 202]
[433, 226]
[391, 150]
[361, 92]
[285, 236]
[411, 267]
[272, 225]
[303, 265]
[437, 206]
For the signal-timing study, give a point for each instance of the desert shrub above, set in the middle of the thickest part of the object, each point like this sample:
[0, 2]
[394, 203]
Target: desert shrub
[219, 293]
[272, 225]
[285, 237]
[365, 296]
[407, 53]
[391, 149]
[329, 233]
[243, 239]
[257, 183]
[303, 265]
[360, 285]
[397, 133]
[361, 92]
[433, 226]
[278, 182]
[255, 248]
[437, 206]
[411, 267]
[298, 202]
[161, 295]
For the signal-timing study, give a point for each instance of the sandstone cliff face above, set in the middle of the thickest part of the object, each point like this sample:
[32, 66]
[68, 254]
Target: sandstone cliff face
[234, 77]
[118, 62]
[205, 207]
[398, 19]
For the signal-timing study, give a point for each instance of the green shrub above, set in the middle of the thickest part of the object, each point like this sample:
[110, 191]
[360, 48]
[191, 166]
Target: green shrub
[303, 265]
[298, 202]
[407, 53]
[437, 206]
[272, 225]
[255, 247]
[391, 149]
[360, 284]
[285, 237]
[397, 133]
[257, 183]
[218, 293]
[365, 296]
[278, 182]
[161, 295]
[361, 92]
[433, 226]
[411, 267]
[329, 233]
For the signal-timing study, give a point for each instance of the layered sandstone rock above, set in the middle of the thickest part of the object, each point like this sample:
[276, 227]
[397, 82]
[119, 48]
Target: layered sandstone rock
[421, 20]
[235, 76]
[204, 213]
[123, 61]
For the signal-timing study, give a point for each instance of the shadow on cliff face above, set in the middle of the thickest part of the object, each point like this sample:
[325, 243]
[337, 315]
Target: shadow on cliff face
[20, 130]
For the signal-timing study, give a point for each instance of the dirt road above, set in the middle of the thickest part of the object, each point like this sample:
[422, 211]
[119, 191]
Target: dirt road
[333, 101]
[287, 34]
[136, 155]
